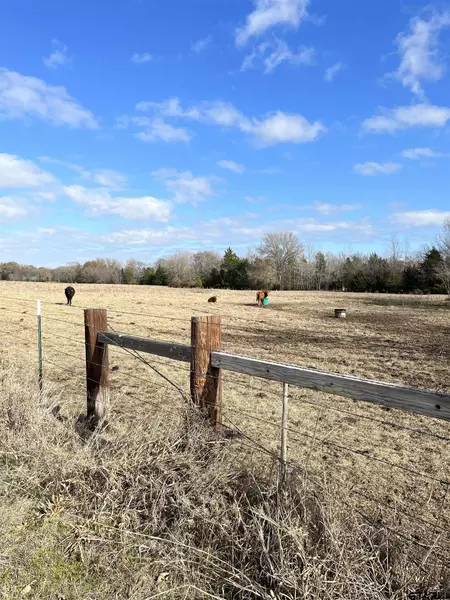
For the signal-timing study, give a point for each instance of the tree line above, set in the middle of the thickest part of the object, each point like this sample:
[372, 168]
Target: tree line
[280, 262]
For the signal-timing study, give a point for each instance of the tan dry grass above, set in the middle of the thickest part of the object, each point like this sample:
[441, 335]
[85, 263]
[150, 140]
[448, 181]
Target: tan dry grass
[406, 344]
[167, 513]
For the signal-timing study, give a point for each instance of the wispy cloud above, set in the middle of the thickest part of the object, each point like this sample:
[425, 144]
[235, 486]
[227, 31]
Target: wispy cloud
[67, 164]
[334, 209]
[201, 45]
[158, 129]
[271, 13]
[184, 187]
[108, 178]
[22, 96]
[375, 168]
[140, 59]
[274, 128]
[420, 59]
[154, 129]
[18, 173]
[419, 153]
[11, 208]
[59, 56]
[98, 201]
[406, 117]
[422, 218]
[332, 71]
[272, 54]
[231, 166]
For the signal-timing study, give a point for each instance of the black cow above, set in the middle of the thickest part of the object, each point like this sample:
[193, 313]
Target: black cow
[70, 293]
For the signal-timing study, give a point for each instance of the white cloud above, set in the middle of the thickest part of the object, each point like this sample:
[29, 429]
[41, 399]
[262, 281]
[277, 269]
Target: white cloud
[231, 166]
[332, 71]
[418, 153]
[313, 226]
[271, 13]
[201, 45]
[333, 209]
[375, 168]
[109, 178]
[69, 165]
[282, 127]
[58, 57]
[232, 230]
[406, 117]
[273, 54]
[22, 96]
[140, 59]
[158, 129]
[136, 237]
[274, 128]
[184, 187]
[11, 208]
[422, 218]
[42, 196]
[418, 49]
[99, 201]
[15, 172]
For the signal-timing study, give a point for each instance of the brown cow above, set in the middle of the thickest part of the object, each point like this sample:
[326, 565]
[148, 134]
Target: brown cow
[212, 299]
[261, 296]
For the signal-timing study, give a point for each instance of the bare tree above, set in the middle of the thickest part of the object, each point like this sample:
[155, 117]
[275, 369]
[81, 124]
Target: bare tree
[283, 251]
[180, 270]
[443, 273]
[205, 262]
[444, 240]
[395, 263]
[443, 269]
[132, 271]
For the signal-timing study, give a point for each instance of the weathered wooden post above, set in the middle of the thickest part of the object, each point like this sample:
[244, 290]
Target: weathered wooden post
[206, 380]
[97, 364]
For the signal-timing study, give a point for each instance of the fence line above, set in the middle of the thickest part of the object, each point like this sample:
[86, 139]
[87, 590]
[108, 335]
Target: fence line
[212, 373]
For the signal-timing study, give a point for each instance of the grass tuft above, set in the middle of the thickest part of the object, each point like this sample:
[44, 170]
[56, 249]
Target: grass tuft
[168, 512]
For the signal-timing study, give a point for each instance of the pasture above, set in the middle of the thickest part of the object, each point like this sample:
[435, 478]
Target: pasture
[390, 463]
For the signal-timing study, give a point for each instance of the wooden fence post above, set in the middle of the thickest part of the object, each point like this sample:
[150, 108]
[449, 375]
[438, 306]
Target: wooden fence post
[97, 364]
[206, 380]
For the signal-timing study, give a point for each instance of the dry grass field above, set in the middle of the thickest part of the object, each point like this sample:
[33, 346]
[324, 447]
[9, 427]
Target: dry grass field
[389, 463]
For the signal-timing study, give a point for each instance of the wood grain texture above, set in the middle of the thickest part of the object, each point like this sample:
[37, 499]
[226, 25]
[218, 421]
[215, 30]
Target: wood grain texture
[97, 364]
[206, 380]
[422, 402]
[180, 352]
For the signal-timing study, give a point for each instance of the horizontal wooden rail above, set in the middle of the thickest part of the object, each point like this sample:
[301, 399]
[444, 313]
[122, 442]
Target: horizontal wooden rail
[181, 352]
[422, 402]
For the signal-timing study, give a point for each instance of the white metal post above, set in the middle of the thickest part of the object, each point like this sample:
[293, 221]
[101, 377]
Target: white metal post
[284, 425]
[39, 335]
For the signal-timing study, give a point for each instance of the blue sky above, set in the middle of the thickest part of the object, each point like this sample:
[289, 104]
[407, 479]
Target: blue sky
[135, 128]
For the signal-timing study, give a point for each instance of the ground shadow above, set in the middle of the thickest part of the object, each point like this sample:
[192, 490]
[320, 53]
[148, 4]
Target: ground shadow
[406, 302]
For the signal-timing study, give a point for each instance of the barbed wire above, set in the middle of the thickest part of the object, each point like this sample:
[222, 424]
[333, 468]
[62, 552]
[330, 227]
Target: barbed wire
[255, 443]
[303, 400]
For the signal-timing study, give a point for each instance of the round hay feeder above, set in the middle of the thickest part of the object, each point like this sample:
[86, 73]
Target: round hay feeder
[340, 313]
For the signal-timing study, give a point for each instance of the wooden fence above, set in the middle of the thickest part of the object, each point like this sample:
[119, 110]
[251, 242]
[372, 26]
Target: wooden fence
[207, 361]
